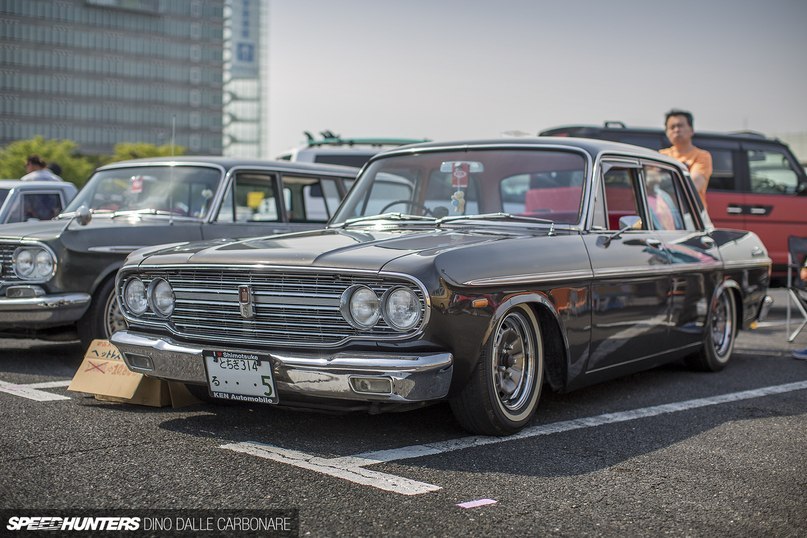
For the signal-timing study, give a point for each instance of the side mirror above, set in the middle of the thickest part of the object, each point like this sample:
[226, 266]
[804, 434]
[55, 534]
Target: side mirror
[83, 215]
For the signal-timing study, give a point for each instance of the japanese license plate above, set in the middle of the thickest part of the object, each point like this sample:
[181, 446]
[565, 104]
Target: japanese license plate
[240, 376]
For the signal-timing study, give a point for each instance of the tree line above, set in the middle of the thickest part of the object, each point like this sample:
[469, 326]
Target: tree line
[75, 166]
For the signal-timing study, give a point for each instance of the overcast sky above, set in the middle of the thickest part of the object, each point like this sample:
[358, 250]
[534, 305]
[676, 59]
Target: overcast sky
[455, 69]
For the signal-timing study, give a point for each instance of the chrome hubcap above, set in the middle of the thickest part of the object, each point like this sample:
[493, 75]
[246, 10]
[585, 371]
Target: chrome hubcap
[514, 362]
[113, 320]
[722, 325]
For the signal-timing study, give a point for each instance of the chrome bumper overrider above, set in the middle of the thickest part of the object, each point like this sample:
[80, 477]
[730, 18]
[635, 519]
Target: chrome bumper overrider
[764, 308]
[45, 310]
[414, 377]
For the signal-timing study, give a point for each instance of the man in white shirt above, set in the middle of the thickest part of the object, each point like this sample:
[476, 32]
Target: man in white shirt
[38, 171]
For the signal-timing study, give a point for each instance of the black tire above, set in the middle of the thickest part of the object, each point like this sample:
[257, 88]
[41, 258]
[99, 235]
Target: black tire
[719, 334]
[103, 317]
[502, 395]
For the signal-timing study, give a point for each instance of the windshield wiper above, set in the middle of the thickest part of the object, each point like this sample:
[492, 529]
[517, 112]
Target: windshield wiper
[495, 216]
[147, 211]
[386, 216]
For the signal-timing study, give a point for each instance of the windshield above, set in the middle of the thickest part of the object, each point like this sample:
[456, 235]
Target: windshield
[547, 184]
[185, 191]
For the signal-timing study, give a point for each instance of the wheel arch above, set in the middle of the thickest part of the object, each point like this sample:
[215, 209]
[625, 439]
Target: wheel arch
[736, 293]
[554, 340]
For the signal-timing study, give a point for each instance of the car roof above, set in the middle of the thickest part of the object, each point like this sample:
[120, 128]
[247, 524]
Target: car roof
[619, 127]
[17, 183]
[592, 146]
[232, 162]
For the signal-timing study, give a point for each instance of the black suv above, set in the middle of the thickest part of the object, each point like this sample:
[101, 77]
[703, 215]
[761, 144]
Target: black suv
[757, 183]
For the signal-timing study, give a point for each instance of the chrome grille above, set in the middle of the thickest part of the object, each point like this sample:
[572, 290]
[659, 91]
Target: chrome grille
[7, 274]
[291, 308]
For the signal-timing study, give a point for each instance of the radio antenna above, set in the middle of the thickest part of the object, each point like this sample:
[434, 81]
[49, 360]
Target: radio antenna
[171, 172]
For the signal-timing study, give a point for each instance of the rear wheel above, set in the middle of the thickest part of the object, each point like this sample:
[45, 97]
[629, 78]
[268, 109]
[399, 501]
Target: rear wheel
[719, 335]
[503, 392]
[104, 316]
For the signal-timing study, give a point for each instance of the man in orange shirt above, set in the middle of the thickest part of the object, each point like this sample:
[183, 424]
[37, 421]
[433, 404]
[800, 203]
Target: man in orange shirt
[678, 126]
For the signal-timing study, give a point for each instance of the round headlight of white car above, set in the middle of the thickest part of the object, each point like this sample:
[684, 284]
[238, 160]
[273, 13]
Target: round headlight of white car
[24, 263]
[34, 263]
[134, 296]
[43, 264]
[401, 308]
[161, 295]
[360, 307]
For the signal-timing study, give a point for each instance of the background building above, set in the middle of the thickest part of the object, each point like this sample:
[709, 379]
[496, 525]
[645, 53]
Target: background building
[100, 72]
[245, 63]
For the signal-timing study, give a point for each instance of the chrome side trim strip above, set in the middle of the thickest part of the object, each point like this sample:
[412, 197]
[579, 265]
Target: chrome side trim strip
[559, 276]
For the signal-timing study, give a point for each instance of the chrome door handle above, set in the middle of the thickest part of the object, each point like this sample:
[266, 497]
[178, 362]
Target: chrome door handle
[707, 241]
[655, 243]
[734, 210]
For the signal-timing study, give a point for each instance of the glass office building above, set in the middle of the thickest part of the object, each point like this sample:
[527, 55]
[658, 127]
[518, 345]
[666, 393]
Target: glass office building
[100, 72]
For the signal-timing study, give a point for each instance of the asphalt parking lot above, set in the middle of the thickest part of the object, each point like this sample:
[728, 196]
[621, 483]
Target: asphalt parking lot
[668, 451]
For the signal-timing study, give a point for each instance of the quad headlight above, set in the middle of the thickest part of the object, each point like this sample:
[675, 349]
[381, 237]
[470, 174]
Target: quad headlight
[157, 296]
[360, 307]
[34, 262]
[400, 307]
[134, 296]
[161, 297]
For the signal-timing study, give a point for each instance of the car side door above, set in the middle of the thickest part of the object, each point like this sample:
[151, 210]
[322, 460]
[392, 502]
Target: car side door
[694, 256]
[775, 199]
[631, 268]
[309, 201]
[250, 207]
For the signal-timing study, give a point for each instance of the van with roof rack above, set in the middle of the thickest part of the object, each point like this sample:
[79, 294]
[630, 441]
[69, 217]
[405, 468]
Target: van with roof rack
[333, 149]
[757, 183]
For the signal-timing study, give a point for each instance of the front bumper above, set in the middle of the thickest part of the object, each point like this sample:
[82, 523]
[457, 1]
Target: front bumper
[414, 377]
[42, 311]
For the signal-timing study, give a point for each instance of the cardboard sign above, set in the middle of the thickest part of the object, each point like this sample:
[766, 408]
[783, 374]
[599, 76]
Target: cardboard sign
[104, 374]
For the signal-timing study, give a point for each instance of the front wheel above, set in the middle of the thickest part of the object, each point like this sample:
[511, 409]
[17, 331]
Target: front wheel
[104, 316]
[503, 392]
[720, 333]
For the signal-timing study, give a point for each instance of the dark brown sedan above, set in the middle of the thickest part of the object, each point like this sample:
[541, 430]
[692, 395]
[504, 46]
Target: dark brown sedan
[473, 272]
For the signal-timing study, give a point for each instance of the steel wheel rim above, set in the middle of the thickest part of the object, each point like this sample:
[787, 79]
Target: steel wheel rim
[513, 365]
[722, 325]
[113, 319]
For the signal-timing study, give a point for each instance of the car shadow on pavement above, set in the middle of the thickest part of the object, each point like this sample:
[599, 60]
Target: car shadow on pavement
[581, 450]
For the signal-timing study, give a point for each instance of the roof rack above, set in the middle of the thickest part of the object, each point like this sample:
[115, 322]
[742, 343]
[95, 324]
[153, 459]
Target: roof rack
[331, 139]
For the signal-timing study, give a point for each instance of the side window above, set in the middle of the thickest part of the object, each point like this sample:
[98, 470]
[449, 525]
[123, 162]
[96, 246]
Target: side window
[723, 177]
[41, 206]
[619, 200]
[309, 199]
[664, 203]
[771, 172]
[251, 198]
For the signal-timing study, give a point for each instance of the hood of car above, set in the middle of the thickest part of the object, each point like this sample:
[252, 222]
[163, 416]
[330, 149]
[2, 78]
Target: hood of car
[459, 256]
[50, 229]
[334, 248]
[33, 230]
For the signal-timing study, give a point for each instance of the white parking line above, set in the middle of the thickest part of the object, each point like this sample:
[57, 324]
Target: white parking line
[31, 391]
[352, 467]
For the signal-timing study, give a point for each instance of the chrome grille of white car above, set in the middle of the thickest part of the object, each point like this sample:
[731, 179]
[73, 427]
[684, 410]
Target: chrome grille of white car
[7, 274]
[298, 308]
